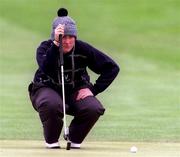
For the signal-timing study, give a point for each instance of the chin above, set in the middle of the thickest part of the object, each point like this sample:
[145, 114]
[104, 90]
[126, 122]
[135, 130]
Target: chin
[66, 50]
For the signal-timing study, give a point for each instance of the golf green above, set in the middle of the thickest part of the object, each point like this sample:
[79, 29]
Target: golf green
[96, 149]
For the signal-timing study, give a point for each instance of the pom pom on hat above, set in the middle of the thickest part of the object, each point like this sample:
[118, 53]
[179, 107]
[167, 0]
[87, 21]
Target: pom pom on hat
[64, 19]
[62, 12]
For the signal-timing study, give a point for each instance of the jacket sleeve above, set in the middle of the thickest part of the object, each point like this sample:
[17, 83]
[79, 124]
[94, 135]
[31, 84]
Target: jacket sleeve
[46, 56]
[103, 65]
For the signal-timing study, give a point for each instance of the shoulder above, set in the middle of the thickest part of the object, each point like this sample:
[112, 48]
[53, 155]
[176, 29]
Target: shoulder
[88, 48]
[46, 43]
[82, 45]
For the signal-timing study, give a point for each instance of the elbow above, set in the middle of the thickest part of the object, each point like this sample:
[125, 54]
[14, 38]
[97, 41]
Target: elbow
[116, 69]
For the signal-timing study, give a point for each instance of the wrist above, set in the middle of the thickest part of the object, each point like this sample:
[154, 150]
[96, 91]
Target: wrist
[56, 43]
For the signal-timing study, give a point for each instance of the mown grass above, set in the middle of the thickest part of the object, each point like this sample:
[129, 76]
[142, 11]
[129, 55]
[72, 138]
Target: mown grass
[142, 104]
[17, 148]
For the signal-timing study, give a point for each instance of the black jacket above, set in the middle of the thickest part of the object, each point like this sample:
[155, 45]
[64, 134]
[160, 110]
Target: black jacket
[75, 67]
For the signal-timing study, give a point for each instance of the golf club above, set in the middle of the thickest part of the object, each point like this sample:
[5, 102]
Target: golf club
[60, 66]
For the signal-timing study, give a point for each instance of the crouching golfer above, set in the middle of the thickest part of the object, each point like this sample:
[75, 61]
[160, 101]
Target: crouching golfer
[45, 90]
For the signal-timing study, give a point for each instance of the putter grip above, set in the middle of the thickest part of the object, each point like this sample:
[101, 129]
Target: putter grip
[61, 50]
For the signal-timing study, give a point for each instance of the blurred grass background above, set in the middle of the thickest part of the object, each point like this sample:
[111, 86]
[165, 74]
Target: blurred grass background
[142, 104]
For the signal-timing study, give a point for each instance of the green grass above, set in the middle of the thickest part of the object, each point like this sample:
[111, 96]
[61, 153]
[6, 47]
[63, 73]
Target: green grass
[142, 104]
[17, 148]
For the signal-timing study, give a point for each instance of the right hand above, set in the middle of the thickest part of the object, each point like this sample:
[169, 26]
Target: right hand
[58, 30]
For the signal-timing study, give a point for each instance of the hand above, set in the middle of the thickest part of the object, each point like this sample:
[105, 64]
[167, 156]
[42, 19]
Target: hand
[83, 93]
[58, 30]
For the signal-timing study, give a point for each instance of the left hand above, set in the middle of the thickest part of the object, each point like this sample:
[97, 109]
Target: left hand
[83, 93]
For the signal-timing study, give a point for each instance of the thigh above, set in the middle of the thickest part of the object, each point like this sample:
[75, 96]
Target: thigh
[46, 97]
[89, 104]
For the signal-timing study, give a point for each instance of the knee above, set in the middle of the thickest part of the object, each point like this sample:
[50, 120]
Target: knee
[48, 104]
[49, 108]
[92, 107]
[95, 110]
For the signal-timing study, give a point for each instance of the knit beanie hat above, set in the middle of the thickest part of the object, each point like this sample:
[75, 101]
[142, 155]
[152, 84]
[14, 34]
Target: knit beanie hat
[64, 19]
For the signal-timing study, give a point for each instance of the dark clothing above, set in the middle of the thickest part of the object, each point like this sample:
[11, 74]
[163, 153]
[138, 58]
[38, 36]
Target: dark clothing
[75, 64]
[46, 93]
[50, 107]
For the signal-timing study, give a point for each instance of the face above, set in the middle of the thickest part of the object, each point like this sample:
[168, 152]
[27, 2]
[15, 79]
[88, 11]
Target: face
[68, 43]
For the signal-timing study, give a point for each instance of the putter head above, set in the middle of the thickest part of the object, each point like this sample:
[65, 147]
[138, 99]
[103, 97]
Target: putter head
[66, 137]
[68, 147]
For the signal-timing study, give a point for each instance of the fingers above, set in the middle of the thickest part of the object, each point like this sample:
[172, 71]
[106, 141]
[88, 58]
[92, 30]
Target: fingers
[58, 30]
[83, 93]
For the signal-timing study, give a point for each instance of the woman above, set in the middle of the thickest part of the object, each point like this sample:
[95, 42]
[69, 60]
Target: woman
[45, 90]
